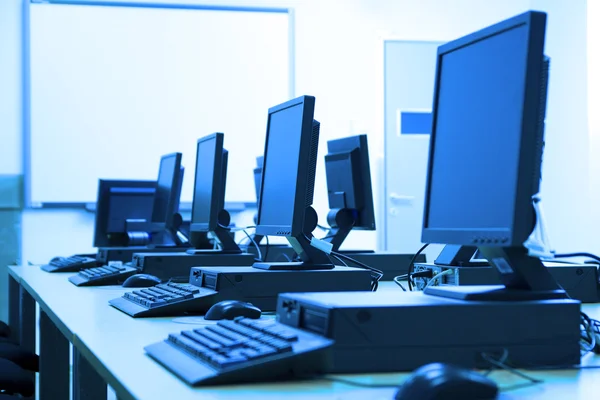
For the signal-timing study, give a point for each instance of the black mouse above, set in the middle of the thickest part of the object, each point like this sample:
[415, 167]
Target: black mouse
[57, 259]
[229, 309]
[446, 382]
[141, 280]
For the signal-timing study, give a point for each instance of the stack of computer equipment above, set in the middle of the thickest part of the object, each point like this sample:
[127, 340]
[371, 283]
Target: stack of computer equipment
[284, 210]
[484, 169]
[208, 216]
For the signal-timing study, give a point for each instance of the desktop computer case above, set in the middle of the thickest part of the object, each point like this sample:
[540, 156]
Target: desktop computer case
[393, 332]
[580, 281]
[177, 265]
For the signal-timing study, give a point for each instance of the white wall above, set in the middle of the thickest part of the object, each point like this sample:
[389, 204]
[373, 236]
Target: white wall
[593, 46]
[338, 60]
[566, 169]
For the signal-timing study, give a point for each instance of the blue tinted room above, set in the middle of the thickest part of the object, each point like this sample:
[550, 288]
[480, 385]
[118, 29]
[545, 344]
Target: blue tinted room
[386, 199]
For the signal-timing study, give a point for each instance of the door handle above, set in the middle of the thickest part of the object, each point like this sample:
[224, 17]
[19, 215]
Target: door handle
[401, 199]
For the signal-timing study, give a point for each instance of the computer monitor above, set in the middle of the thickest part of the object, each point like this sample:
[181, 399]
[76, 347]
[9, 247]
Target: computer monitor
[168, 189]
[162, 228]
[119, 201]
[288, 181]
[349, 189]
[257, 181]
[485, 154]
[208, 206]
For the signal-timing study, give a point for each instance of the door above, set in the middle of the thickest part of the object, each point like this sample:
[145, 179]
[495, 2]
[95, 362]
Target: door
[409, 70]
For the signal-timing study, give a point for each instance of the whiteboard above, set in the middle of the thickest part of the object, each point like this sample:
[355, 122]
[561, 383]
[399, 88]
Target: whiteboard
[114, 88]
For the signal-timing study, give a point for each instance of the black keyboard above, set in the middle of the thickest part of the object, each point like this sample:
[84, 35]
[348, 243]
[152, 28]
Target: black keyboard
[165, 299]
[69, 264]
[243, 350]
[112, 274]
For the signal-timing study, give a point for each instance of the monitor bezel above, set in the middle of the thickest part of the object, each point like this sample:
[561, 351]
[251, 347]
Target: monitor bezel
[347, 145]
[303, 169]
[216, 203]
[523, 215]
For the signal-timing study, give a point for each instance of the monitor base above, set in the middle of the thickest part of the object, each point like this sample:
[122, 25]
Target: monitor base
[493, 293]
[291, 266]
[211, 251]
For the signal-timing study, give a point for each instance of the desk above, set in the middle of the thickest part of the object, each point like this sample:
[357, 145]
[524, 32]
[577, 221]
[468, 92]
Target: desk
[108, 349]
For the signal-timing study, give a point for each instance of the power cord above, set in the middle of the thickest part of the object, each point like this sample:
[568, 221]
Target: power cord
[411, 265]
[572, 255]
[266, 248]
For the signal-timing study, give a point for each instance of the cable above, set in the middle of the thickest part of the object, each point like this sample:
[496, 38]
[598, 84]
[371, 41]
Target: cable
[397, 282]
[259, 253]
[571, 255]
[412, 264]
[501, 364]
[358, 384]
[438, 276]
[267, 248]
[376, 274]
[322, 227]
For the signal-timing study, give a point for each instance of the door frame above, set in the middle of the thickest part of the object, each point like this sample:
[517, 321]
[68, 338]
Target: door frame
[381, 215]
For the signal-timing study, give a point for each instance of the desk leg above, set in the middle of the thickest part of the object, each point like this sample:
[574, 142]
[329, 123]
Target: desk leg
[21, 315]
[54, 361]
[87, 383]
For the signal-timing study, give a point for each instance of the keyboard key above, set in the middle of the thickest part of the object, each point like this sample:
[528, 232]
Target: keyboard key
[202, 340]
[219, 330]
[226, 342]
[241, 329]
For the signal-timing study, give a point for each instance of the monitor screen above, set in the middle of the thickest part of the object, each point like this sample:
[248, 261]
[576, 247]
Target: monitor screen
[280, 170]
[204, 181]
[477, 131]
[167, 186]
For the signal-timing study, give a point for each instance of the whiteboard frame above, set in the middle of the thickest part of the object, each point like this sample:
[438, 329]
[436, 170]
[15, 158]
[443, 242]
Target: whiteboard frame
[26, 80]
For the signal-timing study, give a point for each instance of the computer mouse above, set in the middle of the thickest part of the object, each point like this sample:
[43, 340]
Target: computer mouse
[229, 309]
[141, 280]
[446, 382]
[57, 259]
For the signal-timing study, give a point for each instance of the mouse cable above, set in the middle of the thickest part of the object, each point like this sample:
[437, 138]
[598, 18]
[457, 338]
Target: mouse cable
[572, 255]
[411, 265]
[501, 364]
[351, 382]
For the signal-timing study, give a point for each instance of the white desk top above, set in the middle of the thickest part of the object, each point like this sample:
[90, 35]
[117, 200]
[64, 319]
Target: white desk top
[113, 343]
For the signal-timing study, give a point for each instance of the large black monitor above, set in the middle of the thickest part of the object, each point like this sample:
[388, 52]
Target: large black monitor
[349, 188]
[288, 180]
[485, 154]
[208, 206]
[257, 182]
[117, 202]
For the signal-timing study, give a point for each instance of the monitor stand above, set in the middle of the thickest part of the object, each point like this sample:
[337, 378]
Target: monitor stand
[312, 258]
[225, 239]
[524, 278]
[453, 255]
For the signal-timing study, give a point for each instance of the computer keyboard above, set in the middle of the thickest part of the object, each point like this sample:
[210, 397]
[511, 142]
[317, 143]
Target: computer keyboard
[165, 299]
[69, 264]
[242, 350]
[112, 274]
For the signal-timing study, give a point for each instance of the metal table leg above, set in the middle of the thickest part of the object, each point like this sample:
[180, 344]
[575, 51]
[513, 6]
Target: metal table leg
[87, 383]
[54, 361]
